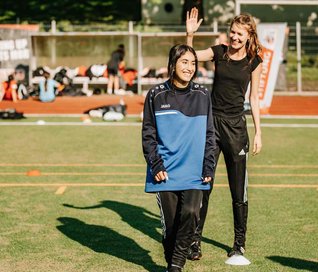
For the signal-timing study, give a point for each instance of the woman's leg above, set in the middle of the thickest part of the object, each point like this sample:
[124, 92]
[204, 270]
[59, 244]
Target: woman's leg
[238, 182]
[110, 84]
[116, 83]
[22, 91]
[14, 96]
[235, 156]
[195, 252]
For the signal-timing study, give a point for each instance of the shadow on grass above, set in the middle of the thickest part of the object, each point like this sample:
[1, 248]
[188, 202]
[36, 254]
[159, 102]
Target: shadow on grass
[216, 244]
[295, 263]
[105, 240]
[137, 217]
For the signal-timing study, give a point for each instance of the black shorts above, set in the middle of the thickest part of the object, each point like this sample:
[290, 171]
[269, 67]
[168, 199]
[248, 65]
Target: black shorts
[232, 136]
[112, 71]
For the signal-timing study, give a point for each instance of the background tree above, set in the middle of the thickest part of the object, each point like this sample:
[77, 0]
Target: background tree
[77, 12]
[188, 5]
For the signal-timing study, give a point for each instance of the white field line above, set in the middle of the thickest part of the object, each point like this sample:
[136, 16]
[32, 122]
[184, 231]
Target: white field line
[135, 124]
[73, 115]
[287, 125]
[64, 185]
[73, 164]
[68, 115]
[78, 115]
[142, 174]
[114, 124]
[288, 117]
[75, 174]
[296, 166]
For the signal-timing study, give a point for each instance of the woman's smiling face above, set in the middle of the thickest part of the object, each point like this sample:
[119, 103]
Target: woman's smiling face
[238, 36]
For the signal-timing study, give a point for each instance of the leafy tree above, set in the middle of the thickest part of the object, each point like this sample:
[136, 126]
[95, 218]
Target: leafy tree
[188, 5]
[77, 12]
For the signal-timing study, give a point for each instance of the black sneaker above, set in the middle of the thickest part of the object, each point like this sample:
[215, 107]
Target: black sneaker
[236, 251]
[195, 252]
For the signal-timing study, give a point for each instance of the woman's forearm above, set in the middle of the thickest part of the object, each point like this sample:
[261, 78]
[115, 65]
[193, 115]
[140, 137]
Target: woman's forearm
[190, 39]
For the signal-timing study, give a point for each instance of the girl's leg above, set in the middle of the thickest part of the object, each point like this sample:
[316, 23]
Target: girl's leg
[204, 207]
[116, 84]
[187, 220]
[110, 84]
[168, 204]
[14, 96]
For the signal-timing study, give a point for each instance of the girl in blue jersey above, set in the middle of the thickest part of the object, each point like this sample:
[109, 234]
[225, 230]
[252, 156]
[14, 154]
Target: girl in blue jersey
[178, 145]
[237, 65]
[48, 88]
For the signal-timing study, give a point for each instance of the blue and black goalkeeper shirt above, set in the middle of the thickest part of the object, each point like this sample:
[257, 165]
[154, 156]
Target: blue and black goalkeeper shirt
[178, 137]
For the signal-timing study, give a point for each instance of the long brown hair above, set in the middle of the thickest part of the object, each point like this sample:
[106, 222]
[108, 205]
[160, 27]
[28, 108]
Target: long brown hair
[253, 45]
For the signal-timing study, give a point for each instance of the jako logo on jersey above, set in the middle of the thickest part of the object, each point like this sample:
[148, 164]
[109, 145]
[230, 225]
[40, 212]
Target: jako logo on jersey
[165, 106]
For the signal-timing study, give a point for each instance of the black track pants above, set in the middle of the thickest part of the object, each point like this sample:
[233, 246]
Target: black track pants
[232, 141]
[179, 217]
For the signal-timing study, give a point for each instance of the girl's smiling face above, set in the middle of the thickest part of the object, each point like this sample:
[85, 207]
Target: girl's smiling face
[184, 70]
[238, 36]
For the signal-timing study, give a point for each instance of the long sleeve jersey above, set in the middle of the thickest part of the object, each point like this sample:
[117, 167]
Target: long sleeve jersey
[178, 137]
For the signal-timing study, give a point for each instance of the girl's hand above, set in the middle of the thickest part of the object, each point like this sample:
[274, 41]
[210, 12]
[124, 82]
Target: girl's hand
[257, 145]
[162, 175]
[192, 22]
[207, 179]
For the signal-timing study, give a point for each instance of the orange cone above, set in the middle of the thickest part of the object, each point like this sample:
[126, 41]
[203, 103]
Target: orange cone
[33, 173]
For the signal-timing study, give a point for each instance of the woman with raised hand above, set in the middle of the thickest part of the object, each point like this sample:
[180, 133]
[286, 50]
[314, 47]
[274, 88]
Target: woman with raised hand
[237, 65]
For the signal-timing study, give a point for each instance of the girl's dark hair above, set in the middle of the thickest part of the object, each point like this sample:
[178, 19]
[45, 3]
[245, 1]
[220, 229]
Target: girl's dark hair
[175, 53]
[121, 50]
[46, 76]
[10, 78]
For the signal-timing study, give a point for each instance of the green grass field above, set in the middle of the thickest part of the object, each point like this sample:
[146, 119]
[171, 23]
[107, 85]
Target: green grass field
[87, 211]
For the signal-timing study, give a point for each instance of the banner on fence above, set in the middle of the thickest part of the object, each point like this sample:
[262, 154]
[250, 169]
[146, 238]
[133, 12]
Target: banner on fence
[272, 38]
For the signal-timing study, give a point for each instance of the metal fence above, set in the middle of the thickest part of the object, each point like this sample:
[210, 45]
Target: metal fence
[149, 45]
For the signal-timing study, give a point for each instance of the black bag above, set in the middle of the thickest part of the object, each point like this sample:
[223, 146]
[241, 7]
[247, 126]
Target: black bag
[38, 72]
[11, 114]
[100, 111]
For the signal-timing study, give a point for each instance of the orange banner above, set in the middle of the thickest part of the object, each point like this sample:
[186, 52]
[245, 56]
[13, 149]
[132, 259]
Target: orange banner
[267, 56]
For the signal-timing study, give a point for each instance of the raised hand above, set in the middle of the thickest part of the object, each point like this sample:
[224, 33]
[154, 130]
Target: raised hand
[192, 22]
